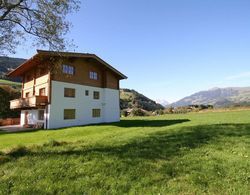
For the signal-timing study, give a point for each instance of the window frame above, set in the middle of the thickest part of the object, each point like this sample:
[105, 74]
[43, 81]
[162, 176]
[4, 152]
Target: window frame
[71, 94]
[86, 92]
[68, 69]
[93, 75]
[96, 113]
[67, 114]
[95, 96]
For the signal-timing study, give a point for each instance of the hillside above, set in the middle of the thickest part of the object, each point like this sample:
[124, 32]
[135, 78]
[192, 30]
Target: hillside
[218, 97]
[11, 83]
[133, 99]
[7, 64]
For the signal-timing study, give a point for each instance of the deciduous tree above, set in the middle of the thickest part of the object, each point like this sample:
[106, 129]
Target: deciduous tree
[44, 21]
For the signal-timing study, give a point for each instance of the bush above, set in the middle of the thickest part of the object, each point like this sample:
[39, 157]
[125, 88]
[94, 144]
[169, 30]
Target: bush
[138, 112]
[159, 112]
[169, 110]
[124, 113]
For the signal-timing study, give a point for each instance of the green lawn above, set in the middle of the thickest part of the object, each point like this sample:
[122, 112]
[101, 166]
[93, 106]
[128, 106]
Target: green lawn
[175, 154]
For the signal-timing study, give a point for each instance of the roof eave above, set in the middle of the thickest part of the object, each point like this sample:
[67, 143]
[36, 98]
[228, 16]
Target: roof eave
[13, 73]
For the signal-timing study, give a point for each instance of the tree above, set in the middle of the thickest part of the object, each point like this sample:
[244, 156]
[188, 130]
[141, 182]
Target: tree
[8, 93]
[44, 21]
[138, 112]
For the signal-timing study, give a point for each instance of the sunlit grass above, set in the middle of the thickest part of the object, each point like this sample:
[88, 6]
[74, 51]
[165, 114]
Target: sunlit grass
[187, 154]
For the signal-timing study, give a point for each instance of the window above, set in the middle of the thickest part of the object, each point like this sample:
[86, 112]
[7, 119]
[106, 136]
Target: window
[96, 113]
[96, 95]
[87, 92]
[69, 92]
[69, 114]
[67, 69]
[27, 94]
[41, 115]
[42, 92]
[93, 75]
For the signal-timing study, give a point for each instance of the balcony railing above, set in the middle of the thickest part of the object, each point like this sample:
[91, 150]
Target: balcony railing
[29, 102]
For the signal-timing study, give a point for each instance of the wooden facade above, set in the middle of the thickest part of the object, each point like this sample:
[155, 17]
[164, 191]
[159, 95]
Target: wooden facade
[106, 78]
[44, 67]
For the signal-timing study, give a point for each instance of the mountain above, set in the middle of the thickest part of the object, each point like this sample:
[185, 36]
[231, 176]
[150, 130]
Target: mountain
[162, 102]
[218, 97]
[7, 64]
[132, 99]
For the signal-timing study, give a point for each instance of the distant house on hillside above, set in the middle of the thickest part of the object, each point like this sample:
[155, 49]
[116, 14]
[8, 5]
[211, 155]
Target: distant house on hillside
[62, 89]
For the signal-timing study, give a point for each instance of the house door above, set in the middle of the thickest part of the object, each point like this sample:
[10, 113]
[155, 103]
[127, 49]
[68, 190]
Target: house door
[26, 118]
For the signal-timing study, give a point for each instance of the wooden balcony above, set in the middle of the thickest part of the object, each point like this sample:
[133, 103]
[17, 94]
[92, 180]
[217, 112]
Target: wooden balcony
[30, 102]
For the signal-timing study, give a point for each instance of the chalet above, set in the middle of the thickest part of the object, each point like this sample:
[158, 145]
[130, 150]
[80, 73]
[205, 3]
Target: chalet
[61, 89]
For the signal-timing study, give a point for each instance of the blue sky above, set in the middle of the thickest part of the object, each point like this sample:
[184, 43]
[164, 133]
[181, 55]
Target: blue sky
[168, 49]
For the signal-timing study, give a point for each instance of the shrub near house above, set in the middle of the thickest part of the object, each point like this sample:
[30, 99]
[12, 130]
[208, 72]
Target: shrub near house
[8, 93]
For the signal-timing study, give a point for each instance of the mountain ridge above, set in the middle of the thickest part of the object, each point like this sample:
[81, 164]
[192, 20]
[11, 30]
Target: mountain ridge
[7, 64]
[218, 97]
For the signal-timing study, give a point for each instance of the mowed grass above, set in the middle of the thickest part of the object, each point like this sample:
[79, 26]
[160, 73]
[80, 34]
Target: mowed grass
[176, 154]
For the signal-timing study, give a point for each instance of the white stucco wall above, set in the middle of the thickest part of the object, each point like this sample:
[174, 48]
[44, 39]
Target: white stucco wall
[108, 103]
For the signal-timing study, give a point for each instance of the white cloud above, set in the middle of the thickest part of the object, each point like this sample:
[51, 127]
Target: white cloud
[239, 76]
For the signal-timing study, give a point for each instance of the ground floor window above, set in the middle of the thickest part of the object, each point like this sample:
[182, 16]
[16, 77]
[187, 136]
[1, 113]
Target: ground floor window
[41, 115]
[96, 113]
[69, 114]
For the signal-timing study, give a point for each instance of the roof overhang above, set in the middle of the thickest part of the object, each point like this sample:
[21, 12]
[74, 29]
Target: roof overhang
[43, 54]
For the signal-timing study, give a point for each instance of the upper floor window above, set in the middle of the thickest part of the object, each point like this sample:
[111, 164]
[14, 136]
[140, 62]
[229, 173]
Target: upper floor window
[96, 95]
[69, 92]
[93, 75]
[42, 92]
[67, 69]
[87, 92]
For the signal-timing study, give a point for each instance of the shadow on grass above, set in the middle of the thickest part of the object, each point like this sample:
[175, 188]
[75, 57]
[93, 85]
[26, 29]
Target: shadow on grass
[122, 123]
[148, 123]
[160, 145]
[165, 145]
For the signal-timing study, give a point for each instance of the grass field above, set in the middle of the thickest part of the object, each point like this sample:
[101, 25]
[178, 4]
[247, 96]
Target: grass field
[6, 82]
[176, 154]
